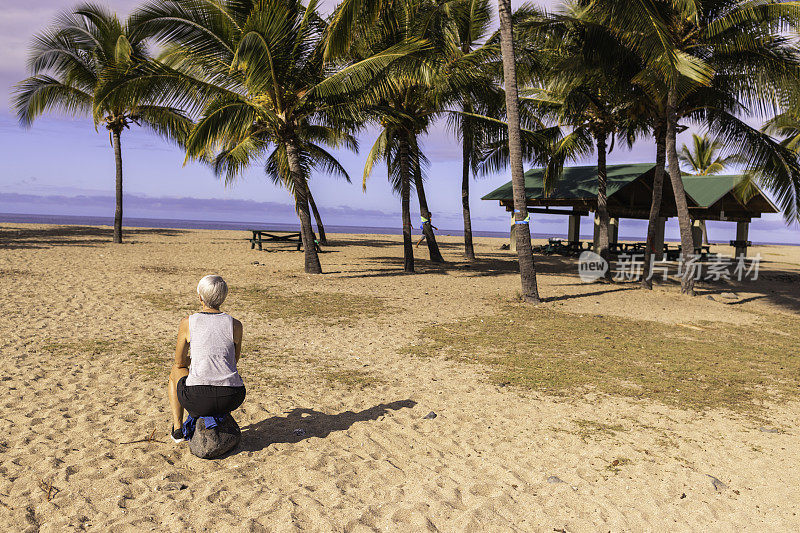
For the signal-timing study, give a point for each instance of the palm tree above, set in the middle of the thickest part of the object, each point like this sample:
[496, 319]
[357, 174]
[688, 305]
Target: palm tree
[706, 55]
[323, 238]
[643, 27]
[472, 20]
[742, 42]
[591, 92]
[786, 127]
[255, 75]
[703, 159]
[527, 267]
[660, 135]
[412, 95]
[69, 65]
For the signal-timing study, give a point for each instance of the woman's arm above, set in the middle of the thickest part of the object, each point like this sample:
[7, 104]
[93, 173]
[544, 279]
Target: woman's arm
[237, 338]
[182, 348]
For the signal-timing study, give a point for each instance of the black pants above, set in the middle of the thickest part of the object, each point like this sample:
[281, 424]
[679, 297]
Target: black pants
[209, 400]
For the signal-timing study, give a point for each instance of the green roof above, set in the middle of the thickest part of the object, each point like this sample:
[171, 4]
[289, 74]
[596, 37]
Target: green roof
[706, 190]
[629, 191]
[575, 182]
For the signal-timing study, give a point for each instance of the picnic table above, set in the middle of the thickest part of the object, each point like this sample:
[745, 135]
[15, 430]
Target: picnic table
[262, 236]
[673, 254]
[561, 247]
[634, 247]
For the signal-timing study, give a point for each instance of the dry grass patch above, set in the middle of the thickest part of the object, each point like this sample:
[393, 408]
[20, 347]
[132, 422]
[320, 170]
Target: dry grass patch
[269, 364]
[268, 351]
[330, 308]
[172, 301]
[167, 270]
[715, 365]
[326, 307]
[352, 379]
[92, 347]
[151, 360]
[593, 429]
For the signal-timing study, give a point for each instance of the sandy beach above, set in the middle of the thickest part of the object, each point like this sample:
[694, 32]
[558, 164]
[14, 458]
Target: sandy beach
[343, 368]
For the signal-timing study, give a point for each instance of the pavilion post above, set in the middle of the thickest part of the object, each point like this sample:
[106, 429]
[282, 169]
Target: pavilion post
[658, 241]
[574, 232]
[742, 230]
[596, 234]
[613, 231]
[697, 232]
[513, 235]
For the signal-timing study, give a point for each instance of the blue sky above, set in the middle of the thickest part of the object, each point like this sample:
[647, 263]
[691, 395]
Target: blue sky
[63, 166]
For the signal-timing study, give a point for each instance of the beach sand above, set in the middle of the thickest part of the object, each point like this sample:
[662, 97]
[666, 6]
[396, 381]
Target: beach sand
[334, 434]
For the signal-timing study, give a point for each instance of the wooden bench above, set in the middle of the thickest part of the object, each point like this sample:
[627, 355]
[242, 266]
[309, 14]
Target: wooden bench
[559, 246]
[574, 247]
[260, 237]
[674, 254]
[633, 247]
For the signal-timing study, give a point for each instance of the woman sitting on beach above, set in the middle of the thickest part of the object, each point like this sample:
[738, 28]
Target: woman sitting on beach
[207, 384]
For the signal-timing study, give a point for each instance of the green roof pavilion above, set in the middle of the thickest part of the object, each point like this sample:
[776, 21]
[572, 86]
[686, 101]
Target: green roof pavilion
[630, 193]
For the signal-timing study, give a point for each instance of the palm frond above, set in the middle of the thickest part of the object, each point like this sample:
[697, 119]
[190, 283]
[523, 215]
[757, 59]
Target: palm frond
[36, 95]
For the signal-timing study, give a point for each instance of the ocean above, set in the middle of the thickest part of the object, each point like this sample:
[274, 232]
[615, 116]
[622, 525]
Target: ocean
[218, 224]
[277, 226]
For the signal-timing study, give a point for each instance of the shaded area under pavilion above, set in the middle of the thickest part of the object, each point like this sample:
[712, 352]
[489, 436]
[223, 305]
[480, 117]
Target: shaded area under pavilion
[630, 193]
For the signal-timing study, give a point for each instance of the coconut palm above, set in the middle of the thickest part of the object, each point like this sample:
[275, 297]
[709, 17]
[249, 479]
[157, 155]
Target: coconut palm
[590, 92]
[71, 62]
[785, 126]
[254, 73]
[472, 20]
[527, 267]
[323, 238]
[704, 159]
[742, 42]
[706, 56]
[660, 137]
[411, 96]
[644, 28]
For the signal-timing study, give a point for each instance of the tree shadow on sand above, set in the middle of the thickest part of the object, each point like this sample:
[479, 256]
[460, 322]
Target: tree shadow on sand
[16, 237]
[302, 423]
[487, 265]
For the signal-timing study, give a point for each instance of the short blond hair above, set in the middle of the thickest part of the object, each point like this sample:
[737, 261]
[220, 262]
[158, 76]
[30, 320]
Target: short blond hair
[212, 290]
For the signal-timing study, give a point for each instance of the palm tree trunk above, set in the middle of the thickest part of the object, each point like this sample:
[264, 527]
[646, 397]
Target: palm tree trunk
[115, 141]
[655, 205]
[425, 213]
[602, 201]
[684, 222]
[405, 200]
[323, 239]
[312, 265]
[466, 157]
[527, 267]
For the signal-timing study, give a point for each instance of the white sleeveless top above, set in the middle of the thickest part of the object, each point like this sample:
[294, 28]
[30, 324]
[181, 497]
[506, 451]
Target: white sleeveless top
[212, 351]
